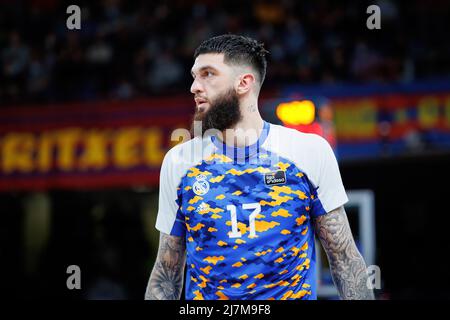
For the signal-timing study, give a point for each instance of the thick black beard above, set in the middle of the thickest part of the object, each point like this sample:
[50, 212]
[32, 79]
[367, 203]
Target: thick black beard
[224, 112]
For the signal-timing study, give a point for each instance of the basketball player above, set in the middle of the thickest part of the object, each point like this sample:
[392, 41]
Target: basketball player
[240, 210]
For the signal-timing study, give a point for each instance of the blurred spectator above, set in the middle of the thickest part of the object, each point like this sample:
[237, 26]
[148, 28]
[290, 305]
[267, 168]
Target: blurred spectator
[133, 49]
[38, 76]
[365, 62]
[164, 72]
[15, 59]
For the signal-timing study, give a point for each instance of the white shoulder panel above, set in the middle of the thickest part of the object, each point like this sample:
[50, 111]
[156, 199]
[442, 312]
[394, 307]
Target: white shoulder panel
[312, 155]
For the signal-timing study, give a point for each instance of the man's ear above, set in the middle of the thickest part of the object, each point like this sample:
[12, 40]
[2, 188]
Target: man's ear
[245, 83]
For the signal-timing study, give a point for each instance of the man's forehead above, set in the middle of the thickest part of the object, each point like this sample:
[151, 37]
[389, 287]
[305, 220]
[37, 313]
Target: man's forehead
[208, 60]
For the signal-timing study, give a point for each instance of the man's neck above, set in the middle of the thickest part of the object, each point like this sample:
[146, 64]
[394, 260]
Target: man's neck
[247, 131]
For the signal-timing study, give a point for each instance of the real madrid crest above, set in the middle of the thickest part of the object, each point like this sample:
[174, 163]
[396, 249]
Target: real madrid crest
[201, 186]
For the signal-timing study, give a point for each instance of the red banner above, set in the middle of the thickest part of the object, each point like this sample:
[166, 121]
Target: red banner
[88, 145]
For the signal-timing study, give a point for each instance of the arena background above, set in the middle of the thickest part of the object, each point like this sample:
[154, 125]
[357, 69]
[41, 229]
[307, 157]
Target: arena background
[86, 117]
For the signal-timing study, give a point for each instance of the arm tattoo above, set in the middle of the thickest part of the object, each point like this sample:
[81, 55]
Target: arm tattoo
[346, 263]
[166, 279]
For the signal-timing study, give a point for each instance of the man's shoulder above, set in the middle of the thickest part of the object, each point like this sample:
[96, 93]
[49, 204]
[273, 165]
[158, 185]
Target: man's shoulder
[294, 140]
[188, 152]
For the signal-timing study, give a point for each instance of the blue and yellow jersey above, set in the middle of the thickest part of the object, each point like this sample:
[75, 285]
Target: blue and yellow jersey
[246, 213]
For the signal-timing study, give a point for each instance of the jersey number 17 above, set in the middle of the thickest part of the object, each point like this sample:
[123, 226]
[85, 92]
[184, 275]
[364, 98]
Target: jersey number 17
[234, 225]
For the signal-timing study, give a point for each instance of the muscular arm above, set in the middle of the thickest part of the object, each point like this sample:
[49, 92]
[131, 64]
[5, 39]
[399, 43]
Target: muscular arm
[347, 265]
[166, 279]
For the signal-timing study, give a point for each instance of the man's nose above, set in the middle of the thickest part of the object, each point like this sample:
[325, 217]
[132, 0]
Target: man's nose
[196, 87]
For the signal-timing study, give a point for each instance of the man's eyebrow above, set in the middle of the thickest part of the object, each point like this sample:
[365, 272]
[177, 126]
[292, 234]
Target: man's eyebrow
[203, 68]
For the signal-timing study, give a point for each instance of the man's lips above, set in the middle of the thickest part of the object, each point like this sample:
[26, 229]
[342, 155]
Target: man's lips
[199, 101]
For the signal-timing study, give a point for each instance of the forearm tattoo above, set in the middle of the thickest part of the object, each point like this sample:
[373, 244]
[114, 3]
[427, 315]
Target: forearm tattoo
[346, 263]
[166, 279]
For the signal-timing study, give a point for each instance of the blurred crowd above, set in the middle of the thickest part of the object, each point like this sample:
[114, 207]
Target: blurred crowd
[139, 48]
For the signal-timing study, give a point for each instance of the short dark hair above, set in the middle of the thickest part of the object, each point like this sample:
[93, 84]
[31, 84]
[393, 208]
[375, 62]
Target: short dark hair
[237, 50]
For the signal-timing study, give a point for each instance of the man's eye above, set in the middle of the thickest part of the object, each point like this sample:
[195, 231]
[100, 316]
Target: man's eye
[208, 74]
